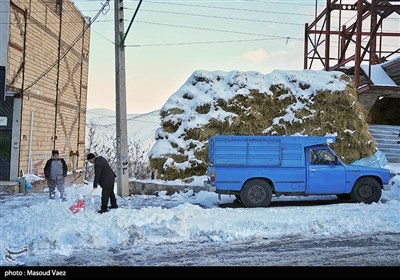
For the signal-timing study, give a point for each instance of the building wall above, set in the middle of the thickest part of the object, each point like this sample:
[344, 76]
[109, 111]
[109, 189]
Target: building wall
[48, 69]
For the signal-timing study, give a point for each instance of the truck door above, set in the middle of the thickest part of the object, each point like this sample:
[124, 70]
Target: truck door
[325, 174]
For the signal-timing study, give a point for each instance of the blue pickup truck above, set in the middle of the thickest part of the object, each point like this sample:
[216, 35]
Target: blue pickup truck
[253, 168]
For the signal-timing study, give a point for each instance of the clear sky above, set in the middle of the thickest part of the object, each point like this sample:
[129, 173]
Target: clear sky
[169, 40]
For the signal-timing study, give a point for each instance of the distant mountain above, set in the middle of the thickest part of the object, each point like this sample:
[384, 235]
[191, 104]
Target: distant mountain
[141, 127]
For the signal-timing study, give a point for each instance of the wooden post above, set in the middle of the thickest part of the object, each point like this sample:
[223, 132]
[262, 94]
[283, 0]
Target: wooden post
[22, 185]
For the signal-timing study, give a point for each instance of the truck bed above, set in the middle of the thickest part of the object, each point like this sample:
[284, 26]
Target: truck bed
[261, 150]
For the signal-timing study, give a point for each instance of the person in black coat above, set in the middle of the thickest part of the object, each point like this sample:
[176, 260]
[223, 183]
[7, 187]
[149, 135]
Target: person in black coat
[55, 172]
[104, 176]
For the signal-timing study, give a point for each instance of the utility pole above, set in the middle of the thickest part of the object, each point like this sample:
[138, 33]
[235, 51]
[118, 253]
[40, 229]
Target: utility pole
[120, 102]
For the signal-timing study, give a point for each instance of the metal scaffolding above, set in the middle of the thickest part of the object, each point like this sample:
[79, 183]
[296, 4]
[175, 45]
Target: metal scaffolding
[343, 36]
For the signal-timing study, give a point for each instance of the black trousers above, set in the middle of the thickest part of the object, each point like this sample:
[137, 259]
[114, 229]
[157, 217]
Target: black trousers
[108, 194]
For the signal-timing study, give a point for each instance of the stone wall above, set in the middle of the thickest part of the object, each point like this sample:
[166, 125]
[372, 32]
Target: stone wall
[136, 187]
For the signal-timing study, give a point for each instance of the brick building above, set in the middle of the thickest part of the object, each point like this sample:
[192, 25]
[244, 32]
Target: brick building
[44, 55]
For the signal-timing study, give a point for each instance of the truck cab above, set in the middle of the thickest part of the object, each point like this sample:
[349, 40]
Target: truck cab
[254, 168]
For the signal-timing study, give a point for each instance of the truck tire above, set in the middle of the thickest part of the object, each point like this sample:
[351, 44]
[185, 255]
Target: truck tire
[256, 193]
[366, 190]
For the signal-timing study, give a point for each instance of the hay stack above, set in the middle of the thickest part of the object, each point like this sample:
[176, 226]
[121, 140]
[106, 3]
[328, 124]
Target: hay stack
[250, 103]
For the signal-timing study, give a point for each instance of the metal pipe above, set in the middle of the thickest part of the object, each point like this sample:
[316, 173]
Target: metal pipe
[30, 143]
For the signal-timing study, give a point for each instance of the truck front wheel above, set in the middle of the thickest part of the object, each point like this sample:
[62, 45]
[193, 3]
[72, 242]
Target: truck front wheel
[256, 193]
[366, 190]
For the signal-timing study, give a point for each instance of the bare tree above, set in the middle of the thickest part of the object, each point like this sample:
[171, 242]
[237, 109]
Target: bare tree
[105, 145]
[139, 167]
[90, 146]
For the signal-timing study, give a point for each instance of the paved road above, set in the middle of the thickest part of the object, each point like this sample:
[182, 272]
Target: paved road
[382, 250]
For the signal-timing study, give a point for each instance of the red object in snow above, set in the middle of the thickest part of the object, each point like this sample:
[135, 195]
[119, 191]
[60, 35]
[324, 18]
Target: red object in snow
[79, 205]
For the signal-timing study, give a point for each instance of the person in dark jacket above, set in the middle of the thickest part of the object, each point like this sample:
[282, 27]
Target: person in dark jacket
[104, 176]
[55, 172]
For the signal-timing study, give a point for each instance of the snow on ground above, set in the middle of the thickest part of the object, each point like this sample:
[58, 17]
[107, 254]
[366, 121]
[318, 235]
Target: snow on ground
[49, 227]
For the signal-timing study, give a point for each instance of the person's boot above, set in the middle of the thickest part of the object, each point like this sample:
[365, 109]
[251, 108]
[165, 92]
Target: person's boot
[114, 206]
[102, 210]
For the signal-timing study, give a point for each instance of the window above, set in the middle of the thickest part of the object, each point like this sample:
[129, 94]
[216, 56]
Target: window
[321, 157]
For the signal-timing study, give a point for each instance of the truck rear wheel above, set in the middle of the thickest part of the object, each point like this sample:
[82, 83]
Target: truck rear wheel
[256, 193]
[366, 190]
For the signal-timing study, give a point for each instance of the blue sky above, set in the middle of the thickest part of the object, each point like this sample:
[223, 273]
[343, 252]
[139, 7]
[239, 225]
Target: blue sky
[169, 40]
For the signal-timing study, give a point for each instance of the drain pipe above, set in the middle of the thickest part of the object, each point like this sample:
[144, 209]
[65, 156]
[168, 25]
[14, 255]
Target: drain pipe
[30, 144]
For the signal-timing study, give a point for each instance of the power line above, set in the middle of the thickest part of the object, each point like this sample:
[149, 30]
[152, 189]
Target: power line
[104, 37]
[201, 28]
[231, 9]
[219, 30]
[287, 3]
[209, 42]
[222, 17]
[205, 42]
[132, 118]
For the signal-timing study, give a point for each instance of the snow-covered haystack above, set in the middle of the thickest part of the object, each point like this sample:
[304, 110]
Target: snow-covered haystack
[250, 103]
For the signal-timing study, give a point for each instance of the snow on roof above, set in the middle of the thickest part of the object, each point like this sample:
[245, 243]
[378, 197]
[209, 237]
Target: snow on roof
[378, 75]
